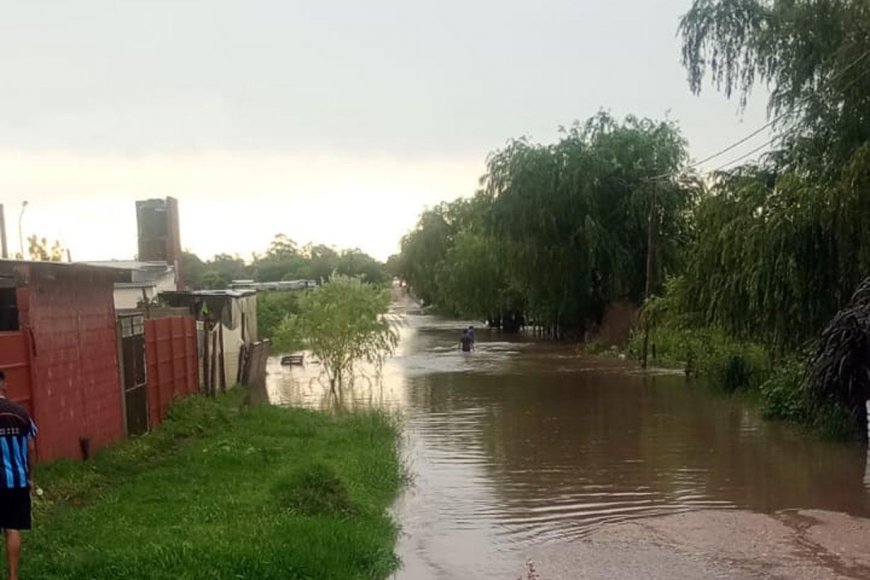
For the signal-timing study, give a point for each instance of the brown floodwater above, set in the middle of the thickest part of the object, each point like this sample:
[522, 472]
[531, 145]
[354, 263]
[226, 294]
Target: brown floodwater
[526, 444]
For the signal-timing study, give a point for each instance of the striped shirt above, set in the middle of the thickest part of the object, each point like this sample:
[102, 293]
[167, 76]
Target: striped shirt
[16, 430]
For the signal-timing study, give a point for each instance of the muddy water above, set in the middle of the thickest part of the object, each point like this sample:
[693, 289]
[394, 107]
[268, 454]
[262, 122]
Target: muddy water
[526, 447]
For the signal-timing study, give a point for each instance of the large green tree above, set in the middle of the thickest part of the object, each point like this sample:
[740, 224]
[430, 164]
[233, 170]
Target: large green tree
[812, 55]
[558, 231]
[782, 243]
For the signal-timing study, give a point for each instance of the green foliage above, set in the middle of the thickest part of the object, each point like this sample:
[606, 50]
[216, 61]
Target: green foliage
[194, 270]
[221, 270]
[283, 260]
[839, 366]
[41, 250]
[223, 492]
[424, 249]
[777, 256]
[473, 280]
[343, 322]
[731, 364]
[783, 393]
[780, 246]
[558, 231]
[811, 55]
[287, 336]
[273, 308]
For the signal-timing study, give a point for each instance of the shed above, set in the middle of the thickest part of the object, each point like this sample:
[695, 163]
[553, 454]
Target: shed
[58, 348]
[227, 324]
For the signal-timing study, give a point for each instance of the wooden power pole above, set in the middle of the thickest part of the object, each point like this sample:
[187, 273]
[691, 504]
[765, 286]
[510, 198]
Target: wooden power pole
[650, 263]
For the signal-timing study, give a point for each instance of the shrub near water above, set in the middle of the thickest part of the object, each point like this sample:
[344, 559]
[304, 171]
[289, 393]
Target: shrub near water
[730, 365]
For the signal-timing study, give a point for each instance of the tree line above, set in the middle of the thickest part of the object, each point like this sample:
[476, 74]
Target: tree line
[750, 258]
[283, 260]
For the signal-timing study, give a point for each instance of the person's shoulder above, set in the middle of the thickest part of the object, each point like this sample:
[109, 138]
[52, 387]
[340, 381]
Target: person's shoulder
[7, 406]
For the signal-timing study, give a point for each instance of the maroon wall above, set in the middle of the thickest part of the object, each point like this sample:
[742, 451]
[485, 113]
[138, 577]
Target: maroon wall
[74, 363]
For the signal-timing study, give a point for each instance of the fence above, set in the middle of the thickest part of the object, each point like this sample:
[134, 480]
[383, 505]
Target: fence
[170, 345]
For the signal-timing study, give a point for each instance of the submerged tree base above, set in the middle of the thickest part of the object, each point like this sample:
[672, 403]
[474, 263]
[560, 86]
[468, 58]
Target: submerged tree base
[736, 366]
[220, 491]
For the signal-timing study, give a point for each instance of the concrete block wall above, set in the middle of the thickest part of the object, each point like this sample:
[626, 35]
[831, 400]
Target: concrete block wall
[76, 381]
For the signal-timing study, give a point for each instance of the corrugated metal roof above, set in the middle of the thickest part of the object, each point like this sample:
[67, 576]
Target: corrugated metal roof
[10, 266]
[129, 265]
[228, 293]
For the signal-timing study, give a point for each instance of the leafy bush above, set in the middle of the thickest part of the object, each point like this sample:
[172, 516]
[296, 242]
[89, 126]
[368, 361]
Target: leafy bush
[729, 364]
[343, 322]
[783, 394]
[273, 308]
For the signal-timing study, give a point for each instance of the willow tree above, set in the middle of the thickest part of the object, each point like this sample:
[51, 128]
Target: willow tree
[812, 55]
[782, 243]
[574, 215]
[423, 249]
[474, 278]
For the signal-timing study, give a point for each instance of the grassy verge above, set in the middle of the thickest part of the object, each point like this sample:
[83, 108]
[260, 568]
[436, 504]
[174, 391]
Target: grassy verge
[220, 491]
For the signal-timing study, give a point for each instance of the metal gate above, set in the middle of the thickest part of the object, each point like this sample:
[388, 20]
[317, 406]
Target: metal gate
[131, 330]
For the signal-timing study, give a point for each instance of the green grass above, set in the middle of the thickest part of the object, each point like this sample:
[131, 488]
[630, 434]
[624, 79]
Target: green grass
[220, 491]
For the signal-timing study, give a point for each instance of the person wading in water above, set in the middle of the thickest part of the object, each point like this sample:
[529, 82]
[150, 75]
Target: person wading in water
[466, 343]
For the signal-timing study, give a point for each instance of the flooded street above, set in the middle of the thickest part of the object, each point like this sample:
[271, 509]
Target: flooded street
[593, 469]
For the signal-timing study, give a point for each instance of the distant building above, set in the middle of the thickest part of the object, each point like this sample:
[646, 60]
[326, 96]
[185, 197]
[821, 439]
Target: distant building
[281, 286]
[227, 327]
[141, 282]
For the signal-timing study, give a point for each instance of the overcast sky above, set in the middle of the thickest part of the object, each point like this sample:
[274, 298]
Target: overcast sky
[330, 121]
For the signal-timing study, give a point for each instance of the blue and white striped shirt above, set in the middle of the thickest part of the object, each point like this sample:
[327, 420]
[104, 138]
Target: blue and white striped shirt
[16, 430]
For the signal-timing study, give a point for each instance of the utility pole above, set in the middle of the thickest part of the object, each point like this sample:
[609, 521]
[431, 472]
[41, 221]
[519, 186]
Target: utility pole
[4, 251]
[20, 231]
[650, 253]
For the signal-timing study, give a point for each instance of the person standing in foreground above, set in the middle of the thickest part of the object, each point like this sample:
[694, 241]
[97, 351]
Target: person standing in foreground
[17, 431]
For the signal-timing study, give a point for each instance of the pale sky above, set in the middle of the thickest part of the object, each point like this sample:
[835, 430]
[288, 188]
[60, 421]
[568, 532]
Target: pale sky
[333, 121]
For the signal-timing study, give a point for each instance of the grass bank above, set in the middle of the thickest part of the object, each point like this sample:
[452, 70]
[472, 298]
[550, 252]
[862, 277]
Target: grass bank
[225, 491]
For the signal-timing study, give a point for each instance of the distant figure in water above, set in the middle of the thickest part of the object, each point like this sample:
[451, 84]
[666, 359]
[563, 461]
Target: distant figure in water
[466, 343]
[471, 334]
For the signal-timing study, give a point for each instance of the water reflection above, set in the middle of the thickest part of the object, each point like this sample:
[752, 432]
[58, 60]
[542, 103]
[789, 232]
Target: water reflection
[523, 442]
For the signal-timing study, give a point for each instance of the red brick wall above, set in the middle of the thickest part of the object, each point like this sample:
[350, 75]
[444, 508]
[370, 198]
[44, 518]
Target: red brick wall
[76, 382]
[15, 363]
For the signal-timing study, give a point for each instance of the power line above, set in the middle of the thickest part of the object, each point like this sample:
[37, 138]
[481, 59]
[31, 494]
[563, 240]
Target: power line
[769, 123]
[851, 83]
[745, 155]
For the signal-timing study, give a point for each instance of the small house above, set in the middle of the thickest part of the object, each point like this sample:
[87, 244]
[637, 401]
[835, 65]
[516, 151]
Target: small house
[227, 327]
